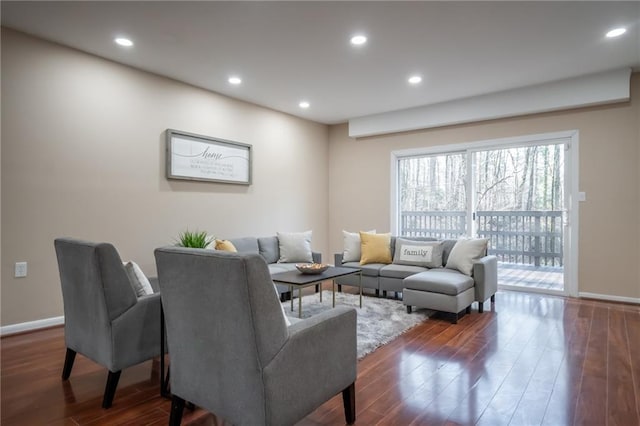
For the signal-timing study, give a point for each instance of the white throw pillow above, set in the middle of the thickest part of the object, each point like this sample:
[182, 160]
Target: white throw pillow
[465, 253]
[286, 318]
[295, 247]
[352, 251]
[138, 279]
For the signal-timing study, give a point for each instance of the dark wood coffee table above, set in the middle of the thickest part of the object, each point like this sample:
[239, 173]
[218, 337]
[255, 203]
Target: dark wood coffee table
[296, 279]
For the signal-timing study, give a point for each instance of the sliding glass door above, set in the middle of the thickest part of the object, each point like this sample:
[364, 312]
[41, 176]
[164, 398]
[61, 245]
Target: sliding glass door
[519, 207]
[513, 195]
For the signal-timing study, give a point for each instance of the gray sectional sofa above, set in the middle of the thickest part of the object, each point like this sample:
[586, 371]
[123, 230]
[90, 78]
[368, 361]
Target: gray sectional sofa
[440, 289]
[269, 249]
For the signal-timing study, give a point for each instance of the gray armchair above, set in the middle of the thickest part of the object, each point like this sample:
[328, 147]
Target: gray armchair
[231, 351]
[104, 319]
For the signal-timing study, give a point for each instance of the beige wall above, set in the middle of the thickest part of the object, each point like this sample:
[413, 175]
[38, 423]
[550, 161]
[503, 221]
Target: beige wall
[83, 155]
[609, 148]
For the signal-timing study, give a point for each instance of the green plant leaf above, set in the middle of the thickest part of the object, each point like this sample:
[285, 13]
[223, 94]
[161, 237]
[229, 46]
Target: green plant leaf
[195, 239]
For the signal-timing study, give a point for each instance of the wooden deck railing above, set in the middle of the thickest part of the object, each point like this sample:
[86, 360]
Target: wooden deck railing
[522, 237]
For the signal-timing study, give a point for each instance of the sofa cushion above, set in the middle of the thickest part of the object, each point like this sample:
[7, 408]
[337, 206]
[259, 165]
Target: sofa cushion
[441, 281]
[370, 270]
[295, 247]
[465, 252]
[400, 271]
[375, 248]
[418, 253]
[351, 244]
[246, 245]
[268, 247]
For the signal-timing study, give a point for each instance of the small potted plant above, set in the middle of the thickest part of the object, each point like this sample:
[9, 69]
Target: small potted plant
[195, 239]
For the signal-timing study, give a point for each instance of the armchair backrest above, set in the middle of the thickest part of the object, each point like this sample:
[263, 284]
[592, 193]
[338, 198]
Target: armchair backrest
[95, 290]
[224, 325]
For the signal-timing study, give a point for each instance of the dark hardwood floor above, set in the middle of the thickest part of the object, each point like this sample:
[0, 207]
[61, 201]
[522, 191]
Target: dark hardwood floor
[530, 360]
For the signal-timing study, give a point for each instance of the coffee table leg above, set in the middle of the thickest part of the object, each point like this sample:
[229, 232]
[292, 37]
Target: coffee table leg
[291, 295]
[360, 289]
[299, 302]
[333, 291]
[320, 292]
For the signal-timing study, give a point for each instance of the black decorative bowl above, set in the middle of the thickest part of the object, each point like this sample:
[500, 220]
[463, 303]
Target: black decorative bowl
[312, 268]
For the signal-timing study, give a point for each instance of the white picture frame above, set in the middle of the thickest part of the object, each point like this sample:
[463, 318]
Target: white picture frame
[203, 158]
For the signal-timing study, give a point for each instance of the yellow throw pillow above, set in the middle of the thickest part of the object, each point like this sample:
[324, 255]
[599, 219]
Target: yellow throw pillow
[375, 248]
[225, 245]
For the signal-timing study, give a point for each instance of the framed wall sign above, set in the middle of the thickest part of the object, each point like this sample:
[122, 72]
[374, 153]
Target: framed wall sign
[196, 157]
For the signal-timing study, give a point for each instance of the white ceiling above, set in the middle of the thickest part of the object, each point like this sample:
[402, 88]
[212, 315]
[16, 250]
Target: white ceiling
[289, 51]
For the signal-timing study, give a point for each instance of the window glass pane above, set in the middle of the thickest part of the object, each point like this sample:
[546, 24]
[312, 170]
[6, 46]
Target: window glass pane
[432, 195]
[526, 178]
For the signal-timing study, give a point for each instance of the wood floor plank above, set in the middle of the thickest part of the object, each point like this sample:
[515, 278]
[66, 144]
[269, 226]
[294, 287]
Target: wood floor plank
[591, 406]
[632, 323]
[621, 396]
[528, 359]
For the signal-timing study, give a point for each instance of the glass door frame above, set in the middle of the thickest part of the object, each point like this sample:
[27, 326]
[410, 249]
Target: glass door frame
[571, 218]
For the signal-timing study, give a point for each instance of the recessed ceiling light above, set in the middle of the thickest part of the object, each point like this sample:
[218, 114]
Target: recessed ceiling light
[235, 80]
[304, 104]
[358, 40]
[616, 32]
[123, 42]
[414, 79]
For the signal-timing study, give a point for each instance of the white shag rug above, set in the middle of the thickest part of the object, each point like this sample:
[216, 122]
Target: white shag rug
[380, 320]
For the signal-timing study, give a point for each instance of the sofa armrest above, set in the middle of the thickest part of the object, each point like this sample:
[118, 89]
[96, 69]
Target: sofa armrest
[485, 275]
[154, 284]
[320, 350]
[135, 334]
[317, 257]
[337, 258]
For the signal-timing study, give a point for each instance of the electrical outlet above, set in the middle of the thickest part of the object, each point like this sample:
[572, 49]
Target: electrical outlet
[21, 269]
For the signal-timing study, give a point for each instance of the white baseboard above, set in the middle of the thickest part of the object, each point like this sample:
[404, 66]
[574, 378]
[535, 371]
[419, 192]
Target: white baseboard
[31, 325]
[624, 299]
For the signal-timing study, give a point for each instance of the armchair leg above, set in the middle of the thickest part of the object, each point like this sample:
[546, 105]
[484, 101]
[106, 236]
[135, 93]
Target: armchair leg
[177, 407]
[339, 288]
[68, 363]
[110, 389]
[408, 309]
[349, 400]
[377, 293]
[493, 298]
[480, 307]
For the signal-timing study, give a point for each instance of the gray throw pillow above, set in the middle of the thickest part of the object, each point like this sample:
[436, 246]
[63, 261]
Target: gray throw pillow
[418, 253]
[295, 247]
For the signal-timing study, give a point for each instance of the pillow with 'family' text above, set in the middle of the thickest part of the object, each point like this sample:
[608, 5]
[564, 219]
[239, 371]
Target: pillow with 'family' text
[418, 253]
